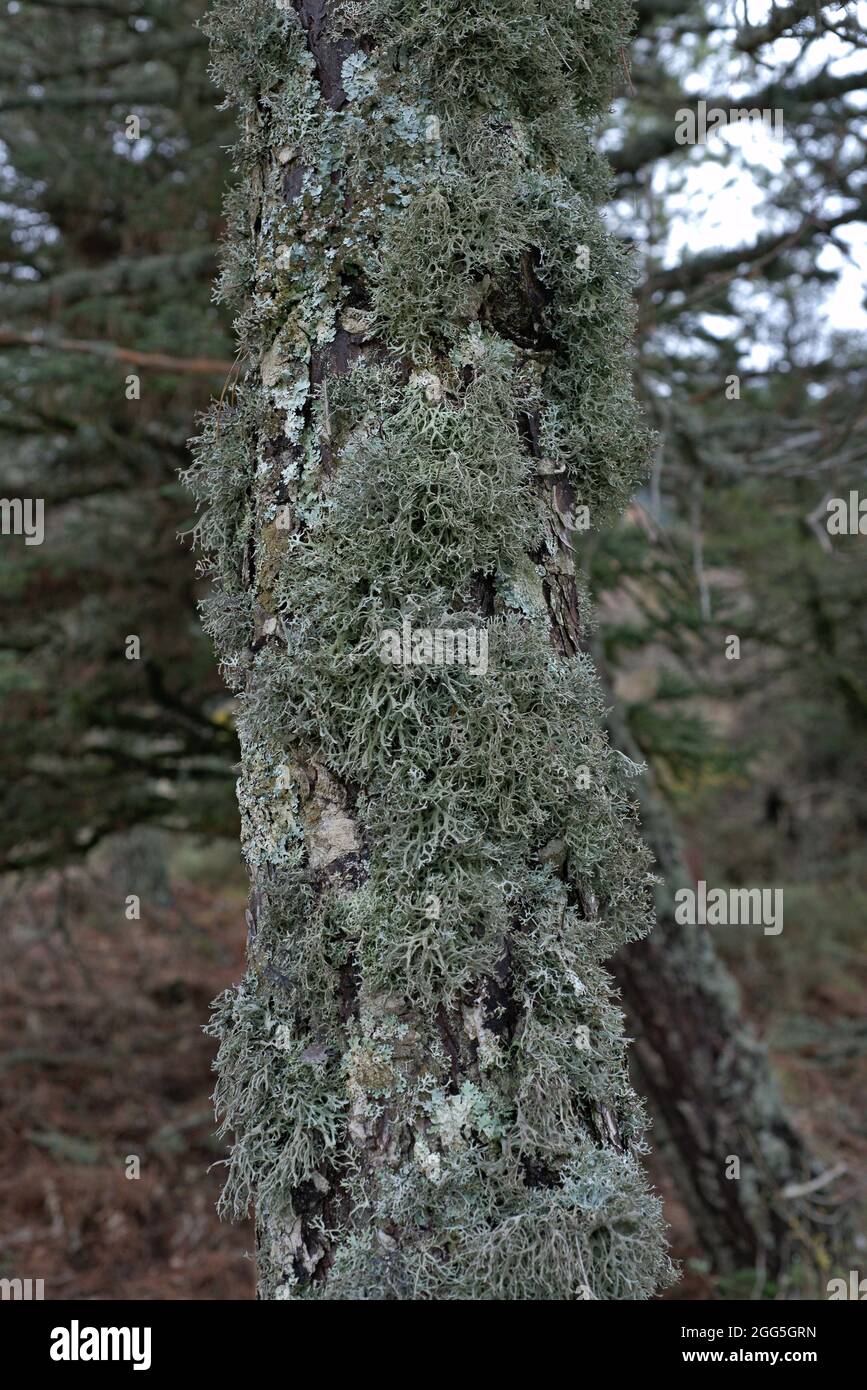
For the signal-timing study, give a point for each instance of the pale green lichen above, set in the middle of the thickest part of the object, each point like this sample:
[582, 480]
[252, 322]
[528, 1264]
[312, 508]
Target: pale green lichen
[437, 886]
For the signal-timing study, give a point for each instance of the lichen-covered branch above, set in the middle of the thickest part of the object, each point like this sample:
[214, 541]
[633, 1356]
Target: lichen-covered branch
[424, 1066]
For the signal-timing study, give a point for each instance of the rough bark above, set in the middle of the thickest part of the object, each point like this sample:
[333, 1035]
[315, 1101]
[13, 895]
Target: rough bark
[424, 1067]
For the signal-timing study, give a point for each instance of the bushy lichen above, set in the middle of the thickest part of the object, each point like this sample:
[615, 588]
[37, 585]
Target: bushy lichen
[424, 1069]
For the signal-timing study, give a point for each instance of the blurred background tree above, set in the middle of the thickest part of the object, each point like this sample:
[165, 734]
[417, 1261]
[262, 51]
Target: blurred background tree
[750, 248]
[111, 194]
[751, 364]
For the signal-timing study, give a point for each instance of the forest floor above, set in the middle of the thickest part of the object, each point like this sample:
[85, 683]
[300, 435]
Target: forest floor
[103, 1061]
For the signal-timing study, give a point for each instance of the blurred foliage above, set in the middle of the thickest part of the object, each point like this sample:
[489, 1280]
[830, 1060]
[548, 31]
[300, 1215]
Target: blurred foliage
[107, 243]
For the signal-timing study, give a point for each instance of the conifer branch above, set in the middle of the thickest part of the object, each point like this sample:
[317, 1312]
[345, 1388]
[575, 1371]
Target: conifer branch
[160, 361]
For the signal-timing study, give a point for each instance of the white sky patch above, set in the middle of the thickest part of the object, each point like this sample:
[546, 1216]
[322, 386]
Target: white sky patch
[720, 195]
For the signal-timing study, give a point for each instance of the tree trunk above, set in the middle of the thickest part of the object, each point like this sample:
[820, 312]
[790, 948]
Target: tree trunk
[714, 1097]
[424, 1067]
